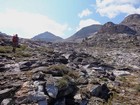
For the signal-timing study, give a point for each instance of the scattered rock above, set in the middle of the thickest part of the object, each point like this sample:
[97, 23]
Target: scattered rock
[7, 101]
[51, 90]
[121, 73]
[101, 91]
[38, 76]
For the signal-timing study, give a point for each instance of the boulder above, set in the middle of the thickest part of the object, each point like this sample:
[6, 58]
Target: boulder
[31, 93]
[60, 102]
[26, 65]
[13, 67]
[82, 81]
[7, 101]
[121, 73]
[61, 59]
[52, 90]
[7, 93]
[101, 91]
[38, 76]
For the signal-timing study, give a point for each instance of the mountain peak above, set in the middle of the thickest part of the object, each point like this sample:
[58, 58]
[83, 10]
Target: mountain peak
[111, 28]
[132, 21]
[109, 24]
[135, 18]
[47, 36]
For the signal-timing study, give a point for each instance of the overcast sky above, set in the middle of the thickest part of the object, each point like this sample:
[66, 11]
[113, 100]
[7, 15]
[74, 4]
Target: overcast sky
[63, 18]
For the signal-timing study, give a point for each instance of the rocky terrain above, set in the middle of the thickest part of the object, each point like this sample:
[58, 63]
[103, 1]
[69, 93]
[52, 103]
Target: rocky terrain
[133, 22]
[102, 70]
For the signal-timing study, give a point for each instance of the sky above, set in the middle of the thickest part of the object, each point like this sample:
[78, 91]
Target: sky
[63, 18]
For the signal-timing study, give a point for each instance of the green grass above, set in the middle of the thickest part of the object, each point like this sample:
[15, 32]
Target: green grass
[59, 67]
[138, 87]
[45, 49]
[73, 74]
[123, 79]
[62, 83]
[22, 54]
[5, 49]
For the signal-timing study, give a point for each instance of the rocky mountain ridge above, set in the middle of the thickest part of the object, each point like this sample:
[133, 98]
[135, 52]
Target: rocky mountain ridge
[132, 21]
[111, 28]
[83, 33]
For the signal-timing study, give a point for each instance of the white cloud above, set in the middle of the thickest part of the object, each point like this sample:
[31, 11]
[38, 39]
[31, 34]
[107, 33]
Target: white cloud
[85, 12]
[87, 22]
[28, 24]
[70, 29]
[112, 8]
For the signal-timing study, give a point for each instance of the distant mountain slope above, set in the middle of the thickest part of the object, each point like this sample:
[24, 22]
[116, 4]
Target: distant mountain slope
[84, 32]
[124, 35]
[47, 36]
[132, 21]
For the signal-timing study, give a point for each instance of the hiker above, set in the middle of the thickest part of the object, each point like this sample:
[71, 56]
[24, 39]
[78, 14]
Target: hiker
[15, 42]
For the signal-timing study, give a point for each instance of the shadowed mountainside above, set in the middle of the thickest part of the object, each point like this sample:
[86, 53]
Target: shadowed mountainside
[83, 33]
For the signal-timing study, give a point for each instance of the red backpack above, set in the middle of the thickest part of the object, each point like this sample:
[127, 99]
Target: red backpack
[14, 39]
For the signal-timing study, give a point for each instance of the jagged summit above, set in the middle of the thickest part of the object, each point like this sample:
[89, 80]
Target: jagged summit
[132, 19]
[112, 28]
[109, 24]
